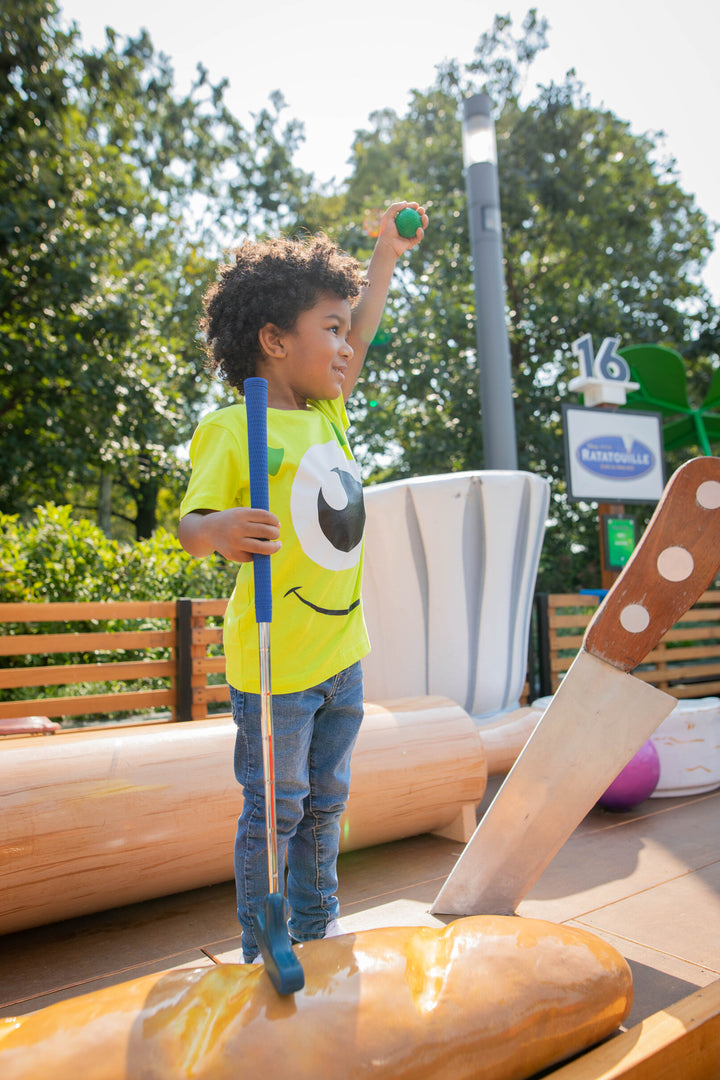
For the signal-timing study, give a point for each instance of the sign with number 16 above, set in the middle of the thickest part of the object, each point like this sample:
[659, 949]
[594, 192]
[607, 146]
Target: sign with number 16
[604, 379]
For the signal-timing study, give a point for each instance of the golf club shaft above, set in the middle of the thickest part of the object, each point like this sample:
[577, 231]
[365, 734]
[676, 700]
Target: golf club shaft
[266, 723]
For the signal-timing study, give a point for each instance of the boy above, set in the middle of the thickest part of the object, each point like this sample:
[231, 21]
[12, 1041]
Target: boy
[283, 311]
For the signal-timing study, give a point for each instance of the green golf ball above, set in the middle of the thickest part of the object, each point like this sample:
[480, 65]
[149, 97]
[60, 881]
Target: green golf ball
[408, 222]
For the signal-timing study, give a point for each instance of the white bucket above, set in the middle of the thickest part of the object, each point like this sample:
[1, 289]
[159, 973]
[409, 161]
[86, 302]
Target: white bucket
[688, 745]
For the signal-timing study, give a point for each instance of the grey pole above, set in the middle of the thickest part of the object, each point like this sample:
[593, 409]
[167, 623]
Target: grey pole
[483, 195]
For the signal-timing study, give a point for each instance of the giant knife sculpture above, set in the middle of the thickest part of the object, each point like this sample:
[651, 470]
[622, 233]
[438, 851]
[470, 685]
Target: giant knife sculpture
[601, 715]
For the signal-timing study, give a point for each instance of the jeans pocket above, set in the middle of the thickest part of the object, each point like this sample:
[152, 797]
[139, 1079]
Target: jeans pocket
[237, 705]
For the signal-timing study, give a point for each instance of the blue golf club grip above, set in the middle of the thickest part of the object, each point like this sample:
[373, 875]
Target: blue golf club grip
[256, 392]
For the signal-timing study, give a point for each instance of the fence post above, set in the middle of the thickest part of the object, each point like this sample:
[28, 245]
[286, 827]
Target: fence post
[533, 675]
[543, 639]
[184, 674]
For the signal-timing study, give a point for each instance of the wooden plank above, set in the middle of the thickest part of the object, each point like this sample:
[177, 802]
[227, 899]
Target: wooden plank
[100, 609]
[570, 622]
[207, 608]
[572, 599]
[711, 596]
[697, 611]
[41, 644]
[697, 624]
[686, 633]
[680, 672]
[690, 652]
[207, 635]
[204, 695]
[681, 1042]
[564, 644]
[209, 665]
[67, 674]
[131, 700]
[693, 690]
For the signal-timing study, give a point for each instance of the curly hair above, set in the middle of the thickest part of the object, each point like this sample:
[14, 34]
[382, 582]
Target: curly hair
[270, 281]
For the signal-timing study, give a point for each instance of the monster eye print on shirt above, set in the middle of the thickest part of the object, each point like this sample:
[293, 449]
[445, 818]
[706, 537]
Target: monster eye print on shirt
[327, 509]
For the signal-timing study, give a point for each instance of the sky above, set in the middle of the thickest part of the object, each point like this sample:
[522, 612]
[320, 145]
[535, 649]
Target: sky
[653, 64]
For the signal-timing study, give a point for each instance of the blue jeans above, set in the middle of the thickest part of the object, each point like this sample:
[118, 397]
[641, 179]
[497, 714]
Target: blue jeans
[314, 732]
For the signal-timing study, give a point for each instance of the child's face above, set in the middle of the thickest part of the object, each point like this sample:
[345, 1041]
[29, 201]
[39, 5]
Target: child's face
[317, 350]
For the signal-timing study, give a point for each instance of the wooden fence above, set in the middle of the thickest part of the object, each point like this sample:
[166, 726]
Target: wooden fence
[686, 662]
[170, 645]
[169, 653]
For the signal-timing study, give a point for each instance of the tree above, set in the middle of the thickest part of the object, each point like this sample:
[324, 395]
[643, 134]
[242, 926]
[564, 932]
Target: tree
[120, 194]
[598, 237]
[118, 197]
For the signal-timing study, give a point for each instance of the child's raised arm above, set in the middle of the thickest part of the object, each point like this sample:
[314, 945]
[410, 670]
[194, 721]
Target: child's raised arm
[366, 316]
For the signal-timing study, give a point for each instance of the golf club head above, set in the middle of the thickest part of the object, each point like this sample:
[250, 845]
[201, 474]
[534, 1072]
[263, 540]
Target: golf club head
[271, 934]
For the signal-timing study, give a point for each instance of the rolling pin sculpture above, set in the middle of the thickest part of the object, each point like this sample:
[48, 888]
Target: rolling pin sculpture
[491, 996]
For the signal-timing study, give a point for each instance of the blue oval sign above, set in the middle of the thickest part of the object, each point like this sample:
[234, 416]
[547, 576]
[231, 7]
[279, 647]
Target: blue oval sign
[610, 457]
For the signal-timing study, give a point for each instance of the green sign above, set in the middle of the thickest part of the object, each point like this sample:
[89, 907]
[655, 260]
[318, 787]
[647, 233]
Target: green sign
[619, 536]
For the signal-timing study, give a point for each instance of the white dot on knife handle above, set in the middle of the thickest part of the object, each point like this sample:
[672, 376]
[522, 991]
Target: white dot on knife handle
[634, 618]
[675, 564]
[708, 494]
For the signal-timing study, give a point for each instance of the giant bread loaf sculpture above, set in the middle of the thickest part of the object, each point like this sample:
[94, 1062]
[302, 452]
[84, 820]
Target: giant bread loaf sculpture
[496, 997]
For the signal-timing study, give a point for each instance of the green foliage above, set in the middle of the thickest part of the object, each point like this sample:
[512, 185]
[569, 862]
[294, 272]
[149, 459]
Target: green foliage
[598, 238]
[56, 557]
[118, 194]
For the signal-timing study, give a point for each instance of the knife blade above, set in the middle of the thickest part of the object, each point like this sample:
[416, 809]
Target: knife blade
[601, 715]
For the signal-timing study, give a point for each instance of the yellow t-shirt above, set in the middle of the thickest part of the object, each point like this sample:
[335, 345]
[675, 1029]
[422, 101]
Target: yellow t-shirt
[318, 626]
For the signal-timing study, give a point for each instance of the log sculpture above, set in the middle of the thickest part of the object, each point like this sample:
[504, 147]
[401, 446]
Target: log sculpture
[491, 996]
[98, 819]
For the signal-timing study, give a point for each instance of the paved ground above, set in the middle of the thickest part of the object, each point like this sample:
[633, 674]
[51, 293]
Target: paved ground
[647, 880]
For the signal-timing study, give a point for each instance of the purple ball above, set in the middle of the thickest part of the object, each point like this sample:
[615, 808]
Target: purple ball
[636, 782]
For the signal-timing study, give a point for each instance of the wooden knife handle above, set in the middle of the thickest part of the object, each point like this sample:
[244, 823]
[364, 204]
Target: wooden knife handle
[677, 558]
